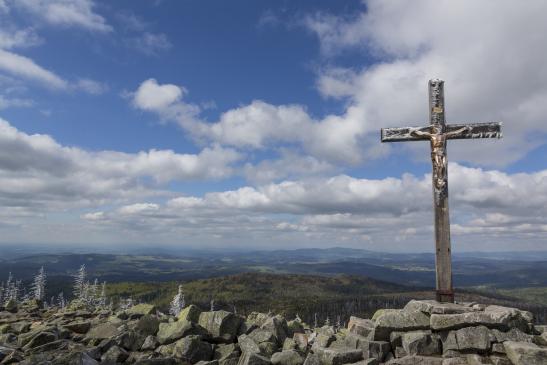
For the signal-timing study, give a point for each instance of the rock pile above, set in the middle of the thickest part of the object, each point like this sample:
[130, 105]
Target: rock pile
[424, 332]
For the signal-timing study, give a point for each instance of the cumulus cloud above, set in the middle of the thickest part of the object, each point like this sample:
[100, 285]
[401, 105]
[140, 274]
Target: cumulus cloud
[365, 211]
[151, 96]
[25, 67]
[37, 172]
[492, 67]
[66, 13]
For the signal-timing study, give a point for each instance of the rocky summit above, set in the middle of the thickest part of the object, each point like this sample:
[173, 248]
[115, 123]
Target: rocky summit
[423, 332]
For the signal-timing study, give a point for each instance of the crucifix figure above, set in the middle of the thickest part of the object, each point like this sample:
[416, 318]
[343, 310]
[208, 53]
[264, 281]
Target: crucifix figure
[438, 132]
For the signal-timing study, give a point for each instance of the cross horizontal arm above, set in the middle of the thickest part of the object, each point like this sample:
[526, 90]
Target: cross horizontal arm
[403, 134]
[474, 130]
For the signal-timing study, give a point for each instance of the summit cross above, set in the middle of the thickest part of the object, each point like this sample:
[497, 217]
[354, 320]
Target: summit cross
[438, 132]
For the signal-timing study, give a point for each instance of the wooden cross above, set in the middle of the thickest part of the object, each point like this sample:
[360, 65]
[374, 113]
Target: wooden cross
[438, 132]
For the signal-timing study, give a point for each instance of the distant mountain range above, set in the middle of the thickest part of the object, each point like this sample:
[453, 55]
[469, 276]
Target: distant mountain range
[491, 270]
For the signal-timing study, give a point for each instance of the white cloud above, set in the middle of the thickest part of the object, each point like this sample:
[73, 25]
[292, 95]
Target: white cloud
[492, 66]
[260, 125]
[36, 171]
[67, 13]
[12, 38]
[150, 43]
[91, 86]
[14, 103]
[387, 212]
[27, 68]
[151, 96]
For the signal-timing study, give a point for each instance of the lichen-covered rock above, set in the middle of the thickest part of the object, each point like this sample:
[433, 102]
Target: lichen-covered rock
[140, 310]
[338, 356]
[501, 318]
[381, 312]
[248, 345]
[115, 355]
[11, 306]
[289, 344]
[170, 332]
[434, 307]
[416, 360]
[257, 318]
[524, 353]
[421, 343]
[399, 320]
[40, 339]
[361, 327]
[163, 361]
[226, 351]
[253, 359]
[222, 325]
[193, 349]
[261, 335]
[78, 327]
[323, 340]
[287, 357]
[189, 313]
[150, 343]
[103, 331]
[371, 349]
[301, 340]
[278, 326]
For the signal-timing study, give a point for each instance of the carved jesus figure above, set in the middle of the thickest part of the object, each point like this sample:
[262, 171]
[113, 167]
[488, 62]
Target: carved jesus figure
[438, 151]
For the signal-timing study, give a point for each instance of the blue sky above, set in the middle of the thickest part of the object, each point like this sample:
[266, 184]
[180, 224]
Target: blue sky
[256, 124]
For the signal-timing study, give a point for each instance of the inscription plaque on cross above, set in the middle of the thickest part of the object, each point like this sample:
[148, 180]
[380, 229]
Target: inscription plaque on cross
[438, 132]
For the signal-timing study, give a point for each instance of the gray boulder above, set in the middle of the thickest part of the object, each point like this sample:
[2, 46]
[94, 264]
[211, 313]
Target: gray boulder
[162, 361]
[434, 307]
[140, 310]
[278, 326]
[40, 339]
[253, 359]
[416, 360]
[474, 339]
[150, 343]
[501, 318]
[190, 313]
[312, 359]
[420, 343]
[361, 327]
[78, 327]
[338, 356]
[514, 334]
[115, 355]
[247, 345]
[170, 332]
[301, 341]
[523, 353]
[287, 357]
[193, 349]
[399, 320]
[226, 351]
[222, 325]
[371, 349]
[147, 325]
[102, 331]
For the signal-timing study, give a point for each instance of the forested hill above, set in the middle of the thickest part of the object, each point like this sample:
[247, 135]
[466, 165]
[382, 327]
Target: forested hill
[291, 294]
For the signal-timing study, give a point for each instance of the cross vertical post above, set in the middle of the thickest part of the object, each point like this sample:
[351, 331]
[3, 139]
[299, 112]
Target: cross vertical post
[438, 132]
[443, 257]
